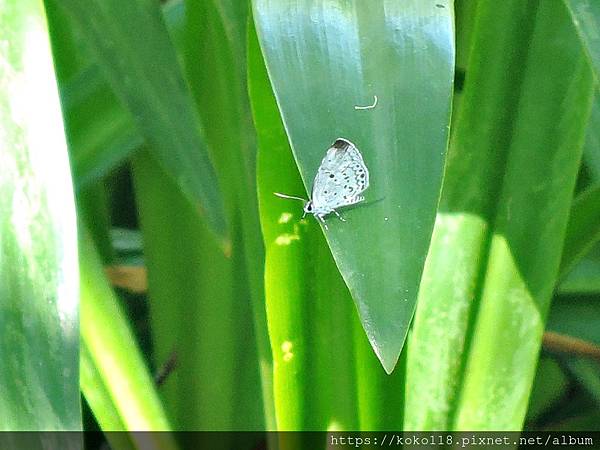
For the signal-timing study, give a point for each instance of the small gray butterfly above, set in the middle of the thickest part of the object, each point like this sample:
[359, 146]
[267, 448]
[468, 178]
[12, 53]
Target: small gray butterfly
[341, 178]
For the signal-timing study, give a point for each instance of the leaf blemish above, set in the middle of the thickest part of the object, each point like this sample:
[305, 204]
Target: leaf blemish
[286, 239]
[286, 348]
[285, 217]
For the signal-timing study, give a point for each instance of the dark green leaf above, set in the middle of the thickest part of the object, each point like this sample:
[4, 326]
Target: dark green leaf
[132, 46]
[583, 230]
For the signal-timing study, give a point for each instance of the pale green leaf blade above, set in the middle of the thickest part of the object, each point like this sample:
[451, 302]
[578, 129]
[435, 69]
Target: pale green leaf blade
[39, 288]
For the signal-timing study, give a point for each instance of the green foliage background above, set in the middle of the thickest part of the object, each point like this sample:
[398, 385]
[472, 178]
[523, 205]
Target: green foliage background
[182, 119]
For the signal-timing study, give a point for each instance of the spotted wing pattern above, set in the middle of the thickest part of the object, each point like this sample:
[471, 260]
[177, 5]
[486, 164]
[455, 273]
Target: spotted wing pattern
[341, 178]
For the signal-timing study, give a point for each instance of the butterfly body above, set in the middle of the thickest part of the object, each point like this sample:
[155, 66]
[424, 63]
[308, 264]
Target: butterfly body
[341, 179]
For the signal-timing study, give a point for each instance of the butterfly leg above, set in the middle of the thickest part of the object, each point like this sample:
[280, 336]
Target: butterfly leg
[322, 220]
[338, 214]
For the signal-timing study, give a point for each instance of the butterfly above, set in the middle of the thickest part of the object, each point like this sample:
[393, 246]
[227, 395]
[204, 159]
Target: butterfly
[341, 179]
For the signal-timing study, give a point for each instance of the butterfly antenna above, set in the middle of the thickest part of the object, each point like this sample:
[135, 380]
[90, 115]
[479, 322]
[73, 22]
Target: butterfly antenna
[290, 197]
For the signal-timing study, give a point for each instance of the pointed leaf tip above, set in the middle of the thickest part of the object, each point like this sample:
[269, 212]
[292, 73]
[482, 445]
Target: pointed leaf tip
[381, 246]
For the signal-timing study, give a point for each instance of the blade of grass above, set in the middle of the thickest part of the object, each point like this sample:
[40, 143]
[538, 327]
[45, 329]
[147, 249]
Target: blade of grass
[99, 398]
[132, 46]
[39, 343]
[324, 58]
[116, 360]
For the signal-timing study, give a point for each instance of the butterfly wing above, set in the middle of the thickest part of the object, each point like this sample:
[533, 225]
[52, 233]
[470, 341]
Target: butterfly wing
[341, 178]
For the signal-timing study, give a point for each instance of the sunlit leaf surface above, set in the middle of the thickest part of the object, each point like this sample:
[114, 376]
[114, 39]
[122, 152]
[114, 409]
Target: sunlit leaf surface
[39, 279]
[325, 58]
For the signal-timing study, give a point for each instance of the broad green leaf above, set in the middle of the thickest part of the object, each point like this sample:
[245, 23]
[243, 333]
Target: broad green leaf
[131, 45]
[117, 383]
[326, 377]
[586, 18]
[39, 288]
[529, 226]
[199, 308]
[102, 134]
[215, 34]
[450, 280]
[304, 291]
[499, 234]
[326, 57]
[584, 225]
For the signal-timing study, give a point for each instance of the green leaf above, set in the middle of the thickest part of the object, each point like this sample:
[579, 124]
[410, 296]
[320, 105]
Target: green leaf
[586, 19]
[301, 283]
[199, 309]
[215, 33]
[584, 224]
[117, 383]
[591, 152]
[583, 230]
[326, 377]
[132, 46]
[529, 226]
[39, 289]
[550, 385]
[97, 394]
[102, 134]
[324, 58]
[494, 256]
[566, 317]
[583, 278]
[588, 375]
